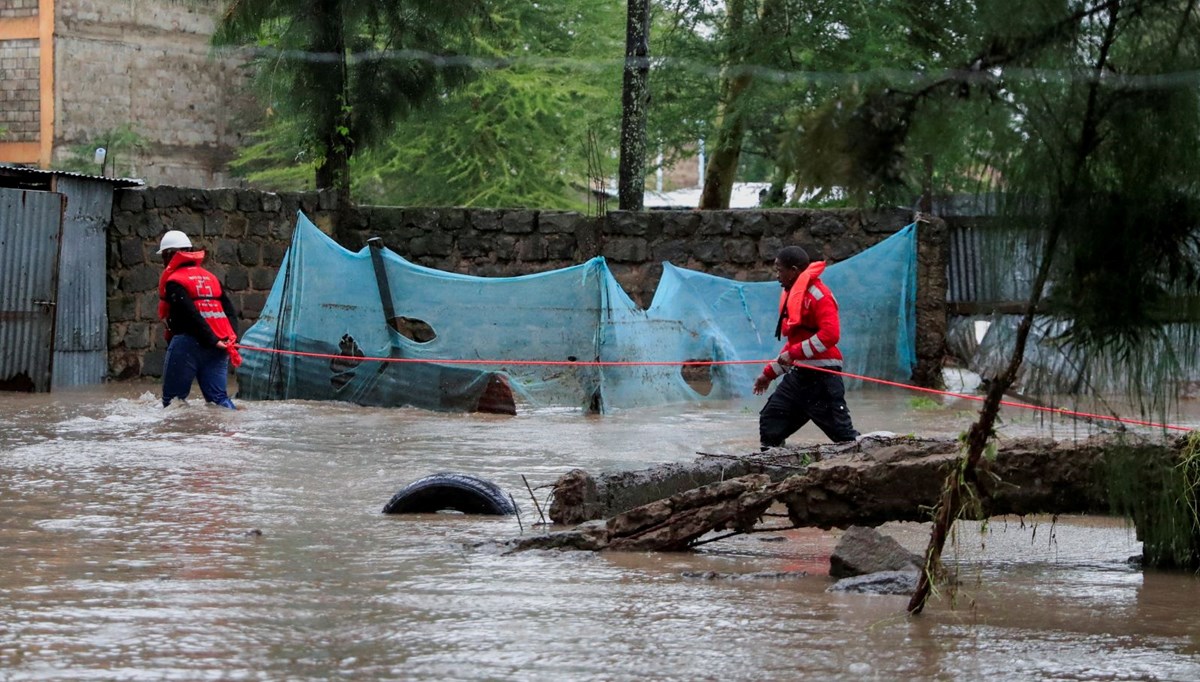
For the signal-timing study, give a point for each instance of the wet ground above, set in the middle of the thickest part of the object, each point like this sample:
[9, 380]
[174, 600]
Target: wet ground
[196, 543]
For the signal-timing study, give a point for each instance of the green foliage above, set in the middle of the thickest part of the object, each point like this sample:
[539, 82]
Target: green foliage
[1081, 118]
[278, 158]
[991, 451]
[475, 104]
[503, 142]
[988, 89]
[515, 136]
[923, 403]
[682, 82]
[1160, 498]
[341, 72]
[793, 58]
[120, 145]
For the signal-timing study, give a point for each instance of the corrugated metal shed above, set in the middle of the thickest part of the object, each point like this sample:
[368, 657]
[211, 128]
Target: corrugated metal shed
[990, 267]
[75, 339]
[81, 325]
[29, 232]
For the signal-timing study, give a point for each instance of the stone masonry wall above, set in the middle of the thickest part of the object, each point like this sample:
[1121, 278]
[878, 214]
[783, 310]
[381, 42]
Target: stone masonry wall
[247, 233]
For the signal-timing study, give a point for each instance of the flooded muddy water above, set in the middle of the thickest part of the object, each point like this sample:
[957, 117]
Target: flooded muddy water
[195, 543]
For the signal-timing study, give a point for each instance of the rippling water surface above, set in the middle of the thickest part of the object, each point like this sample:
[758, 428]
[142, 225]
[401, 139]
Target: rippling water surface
[195, 543]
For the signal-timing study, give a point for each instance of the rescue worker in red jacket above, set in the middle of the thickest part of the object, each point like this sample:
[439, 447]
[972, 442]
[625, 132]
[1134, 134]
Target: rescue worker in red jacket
[808, 319]
[200, 321]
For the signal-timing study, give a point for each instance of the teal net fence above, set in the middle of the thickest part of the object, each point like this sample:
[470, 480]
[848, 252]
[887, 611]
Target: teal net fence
[374, 329]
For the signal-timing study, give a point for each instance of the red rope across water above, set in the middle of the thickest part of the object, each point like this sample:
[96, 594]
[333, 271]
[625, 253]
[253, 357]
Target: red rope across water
[702, 363]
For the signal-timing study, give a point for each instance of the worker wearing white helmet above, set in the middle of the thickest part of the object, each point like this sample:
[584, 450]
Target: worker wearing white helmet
[174, 239]
[200, 324]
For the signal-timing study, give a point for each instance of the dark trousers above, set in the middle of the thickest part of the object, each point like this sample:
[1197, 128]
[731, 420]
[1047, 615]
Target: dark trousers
[804, 395]
[186, 361]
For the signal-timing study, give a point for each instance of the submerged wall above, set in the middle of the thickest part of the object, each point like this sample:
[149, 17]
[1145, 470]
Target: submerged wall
[246, 234]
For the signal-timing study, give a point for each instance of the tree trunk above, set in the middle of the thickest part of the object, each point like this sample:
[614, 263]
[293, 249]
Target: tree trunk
[961, 482]
[876, 480]
[337, 123]
[635, 99]
[731, 124]
[723, 162]
[868, 483]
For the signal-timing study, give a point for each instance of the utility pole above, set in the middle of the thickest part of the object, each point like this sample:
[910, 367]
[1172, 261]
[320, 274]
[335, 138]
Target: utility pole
[635, 99]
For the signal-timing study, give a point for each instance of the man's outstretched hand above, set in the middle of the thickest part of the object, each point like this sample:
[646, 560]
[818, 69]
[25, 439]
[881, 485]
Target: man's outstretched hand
[761, 384]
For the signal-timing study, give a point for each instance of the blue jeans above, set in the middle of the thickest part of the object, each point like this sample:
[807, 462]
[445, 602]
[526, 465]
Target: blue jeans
[187, 360]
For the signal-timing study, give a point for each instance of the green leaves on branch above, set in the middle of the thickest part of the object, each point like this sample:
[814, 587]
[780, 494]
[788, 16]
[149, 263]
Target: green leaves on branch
[513, 138]
[515, 135]
[342, 72]
[120, 144]
[454, 102]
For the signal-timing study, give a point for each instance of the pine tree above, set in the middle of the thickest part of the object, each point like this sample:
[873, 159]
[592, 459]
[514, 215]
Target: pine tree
[343, 71]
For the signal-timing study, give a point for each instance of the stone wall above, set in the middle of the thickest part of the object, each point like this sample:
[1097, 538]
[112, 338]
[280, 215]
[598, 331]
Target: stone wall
[247, 232]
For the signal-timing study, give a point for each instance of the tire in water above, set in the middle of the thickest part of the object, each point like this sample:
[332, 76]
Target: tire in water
[451, 491]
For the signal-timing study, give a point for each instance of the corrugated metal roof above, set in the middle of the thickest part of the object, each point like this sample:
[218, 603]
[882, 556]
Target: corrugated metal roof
[19, 171]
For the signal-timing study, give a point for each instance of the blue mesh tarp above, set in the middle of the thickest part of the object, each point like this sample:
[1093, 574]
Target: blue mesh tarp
[326, 301]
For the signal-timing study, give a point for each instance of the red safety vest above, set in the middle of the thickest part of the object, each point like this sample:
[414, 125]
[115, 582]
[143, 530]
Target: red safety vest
[205, 291]
[808, 320]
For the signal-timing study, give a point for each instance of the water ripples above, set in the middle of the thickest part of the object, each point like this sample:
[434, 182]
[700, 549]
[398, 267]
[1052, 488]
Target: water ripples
[195, 543]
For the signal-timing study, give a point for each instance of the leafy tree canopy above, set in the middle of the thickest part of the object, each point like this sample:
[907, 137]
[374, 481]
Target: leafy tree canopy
[516, 135]
[339, 73]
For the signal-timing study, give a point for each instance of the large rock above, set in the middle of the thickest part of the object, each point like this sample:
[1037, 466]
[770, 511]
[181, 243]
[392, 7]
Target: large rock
[865, 550]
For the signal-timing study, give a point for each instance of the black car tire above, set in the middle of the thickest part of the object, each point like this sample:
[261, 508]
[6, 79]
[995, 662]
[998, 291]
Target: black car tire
[451, 491]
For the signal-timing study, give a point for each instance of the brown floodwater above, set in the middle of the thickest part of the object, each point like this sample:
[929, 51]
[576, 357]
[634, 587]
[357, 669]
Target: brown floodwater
[192, 543]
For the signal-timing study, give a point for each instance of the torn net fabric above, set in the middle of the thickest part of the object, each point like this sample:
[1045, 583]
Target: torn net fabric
[396, 330]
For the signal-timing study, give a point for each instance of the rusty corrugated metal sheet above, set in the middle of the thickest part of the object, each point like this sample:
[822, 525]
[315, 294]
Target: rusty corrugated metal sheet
[990, 264]
[29, 237]
[964, 266]
[81, 324]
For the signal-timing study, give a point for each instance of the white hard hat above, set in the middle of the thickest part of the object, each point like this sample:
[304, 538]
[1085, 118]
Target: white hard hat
[174, 239]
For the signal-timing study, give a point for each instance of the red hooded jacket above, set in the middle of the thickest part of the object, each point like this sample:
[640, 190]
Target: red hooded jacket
[809, 321]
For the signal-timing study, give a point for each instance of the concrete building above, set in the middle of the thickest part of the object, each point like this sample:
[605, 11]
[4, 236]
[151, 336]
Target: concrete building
[74, 72]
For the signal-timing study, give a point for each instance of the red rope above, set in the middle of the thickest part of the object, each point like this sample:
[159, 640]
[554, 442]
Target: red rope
[1008, 403]
[697, 363]
[576, 363]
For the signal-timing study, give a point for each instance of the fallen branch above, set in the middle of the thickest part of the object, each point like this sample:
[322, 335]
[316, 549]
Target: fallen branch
[880, 481]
